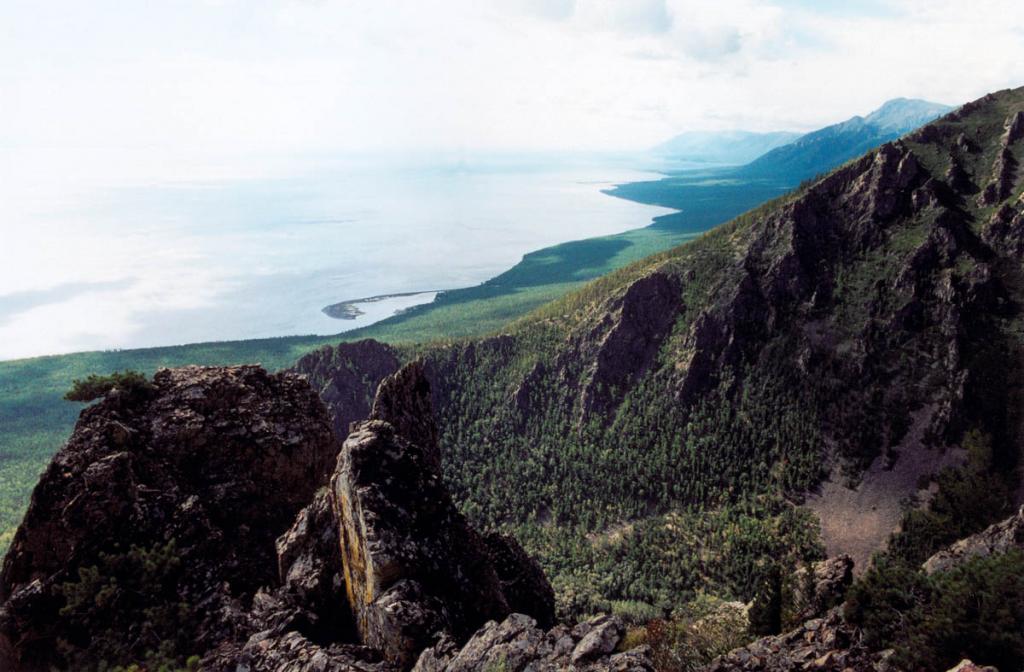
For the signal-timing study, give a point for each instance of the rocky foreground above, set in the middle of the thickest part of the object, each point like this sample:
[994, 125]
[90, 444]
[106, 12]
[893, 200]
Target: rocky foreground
[213, 515]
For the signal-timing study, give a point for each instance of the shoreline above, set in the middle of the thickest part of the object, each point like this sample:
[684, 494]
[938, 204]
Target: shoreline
[349, 309]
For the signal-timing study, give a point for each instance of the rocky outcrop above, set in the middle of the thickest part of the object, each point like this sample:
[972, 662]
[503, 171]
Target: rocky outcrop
[518, 644]
[403, 401]
[414, 568]
[310, 570]
[821, 586]
[998, 538]
[827, 644]
[628, 340]
[346, 377]
[1004, 169]
[178, 492]
[398, 533]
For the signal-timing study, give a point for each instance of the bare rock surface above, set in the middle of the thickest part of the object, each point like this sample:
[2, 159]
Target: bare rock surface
[828, 644]
[346, 376]
[414, 568]
[998, 538]
[822, 586]
[195, 477]
[516, 643]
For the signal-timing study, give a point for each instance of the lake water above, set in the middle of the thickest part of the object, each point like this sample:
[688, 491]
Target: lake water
[137, 258]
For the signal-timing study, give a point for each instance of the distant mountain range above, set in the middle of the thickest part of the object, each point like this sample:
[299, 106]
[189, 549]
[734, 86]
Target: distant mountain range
[797, 157]
[822, 150]
[722, 147]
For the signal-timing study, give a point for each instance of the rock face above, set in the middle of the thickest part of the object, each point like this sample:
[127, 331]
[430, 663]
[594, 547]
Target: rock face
[518, 644]
[191, 481]
[822, 586]
[628, 340]
[414, 568]
[998, 538]
[403, 401]
[347, 376]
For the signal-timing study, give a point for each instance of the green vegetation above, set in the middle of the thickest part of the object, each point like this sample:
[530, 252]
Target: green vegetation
[657, 565]
[130, 383]
[975, 610]
[695, 634]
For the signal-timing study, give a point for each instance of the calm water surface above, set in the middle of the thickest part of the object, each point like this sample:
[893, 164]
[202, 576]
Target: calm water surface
[158, 261]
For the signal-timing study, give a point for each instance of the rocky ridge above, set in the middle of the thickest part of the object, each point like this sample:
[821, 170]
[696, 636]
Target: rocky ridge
[214, 465]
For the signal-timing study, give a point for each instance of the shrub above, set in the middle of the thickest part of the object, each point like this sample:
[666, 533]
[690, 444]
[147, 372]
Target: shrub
[132, 384]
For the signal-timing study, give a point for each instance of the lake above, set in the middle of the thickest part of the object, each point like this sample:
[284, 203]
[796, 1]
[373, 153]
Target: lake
[102, 255]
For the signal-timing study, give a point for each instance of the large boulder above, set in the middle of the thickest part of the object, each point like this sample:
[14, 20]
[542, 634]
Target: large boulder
[153, 528]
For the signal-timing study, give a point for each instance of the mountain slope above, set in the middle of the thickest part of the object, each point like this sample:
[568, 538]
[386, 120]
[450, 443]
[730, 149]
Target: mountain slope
[724, 147]
[816, 152]
[862, 324]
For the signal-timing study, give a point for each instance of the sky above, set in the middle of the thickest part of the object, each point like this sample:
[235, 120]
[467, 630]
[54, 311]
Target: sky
[231, 77]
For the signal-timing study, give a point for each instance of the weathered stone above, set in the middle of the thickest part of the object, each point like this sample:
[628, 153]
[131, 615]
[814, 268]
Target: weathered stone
[518, 644]
[403, 401]
[821, 587]
[601, 640]
[346, 377]
[413, 567]
[998, 538]
[216, 461]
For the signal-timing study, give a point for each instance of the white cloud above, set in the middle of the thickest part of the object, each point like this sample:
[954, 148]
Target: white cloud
[332, 75]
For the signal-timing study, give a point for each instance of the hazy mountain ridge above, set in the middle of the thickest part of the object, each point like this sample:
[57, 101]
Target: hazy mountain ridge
[818, 151]
[722, 147]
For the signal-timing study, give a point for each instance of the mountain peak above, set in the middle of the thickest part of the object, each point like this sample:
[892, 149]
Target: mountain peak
[819, 151]
[901, 115]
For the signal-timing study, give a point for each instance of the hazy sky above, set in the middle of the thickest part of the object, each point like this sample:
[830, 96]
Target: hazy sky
[292, 75]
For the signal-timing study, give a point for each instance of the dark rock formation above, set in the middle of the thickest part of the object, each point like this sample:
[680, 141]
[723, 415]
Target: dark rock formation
[403, 401]
[628, 339]
[310, 569]
[185, 488]
[347, 376]
[822, 586]
[413, 567]
[998, 538]
[522, 580]
[518, 644]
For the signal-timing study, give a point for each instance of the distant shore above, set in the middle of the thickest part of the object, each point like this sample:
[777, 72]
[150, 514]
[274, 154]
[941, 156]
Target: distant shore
[349, 310]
